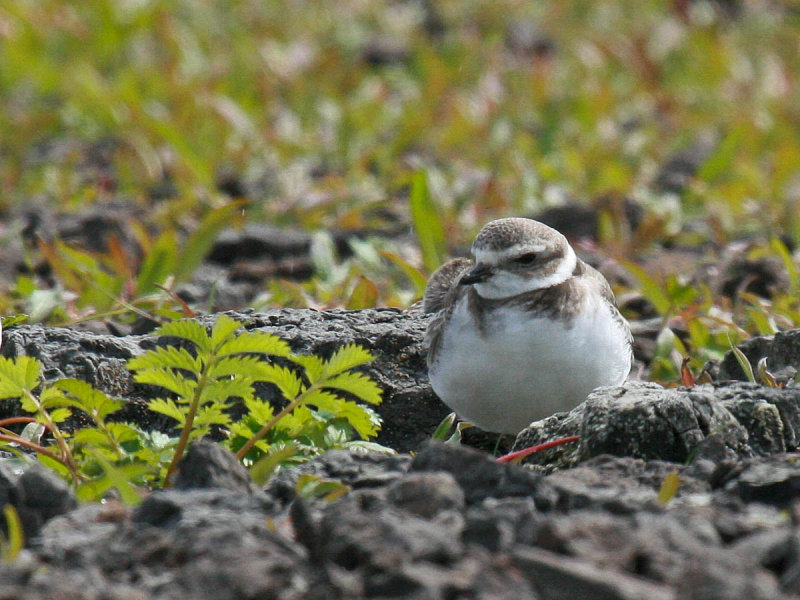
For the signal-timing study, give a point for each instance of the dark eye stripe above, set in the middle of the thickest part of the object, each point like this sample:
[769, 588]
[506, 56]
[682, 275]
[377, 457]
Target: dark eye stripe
[526, 259]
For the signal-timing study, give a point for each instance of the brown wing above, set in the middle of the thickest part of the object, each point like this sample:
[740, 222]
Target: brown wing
[440, 283]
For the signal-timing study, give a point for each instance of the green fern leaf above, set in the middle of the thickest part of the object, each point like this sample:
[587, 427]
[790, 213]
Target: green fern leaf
[211, 415]
[257, 342]
[235, 365]
[259, 410]
[122, 433]
[223, 330]
[359, 417]
[364, 420]
[168, 379]
[188, 329]
[220, 391]
[357, 384]
[51, 397]
[89, 436]
[170, 356]
[59, 415]
[346, 358]
[86, 398]
[264, 468]
[288, 381]
[241, 429]
[365, 447]
[119, 477]
[167, 406]
[18, 375]
[314, 365]
[295, 422]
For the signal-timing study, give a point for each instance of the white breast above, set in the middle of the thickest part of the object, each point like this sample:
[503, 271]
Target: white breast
[524, 369]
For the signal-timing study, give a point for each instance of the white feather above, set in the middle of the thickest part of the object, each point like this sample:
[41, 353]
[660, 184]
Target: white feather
[527, 368]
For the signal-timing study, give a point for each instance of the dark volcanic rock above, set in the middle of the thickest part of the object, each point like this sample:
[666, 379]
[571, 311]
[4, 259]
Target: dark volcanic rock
[382, 540]
[591, 519]
[781, 350]
[37, 495]
[410, 409]
[644, 420]
[209, 465]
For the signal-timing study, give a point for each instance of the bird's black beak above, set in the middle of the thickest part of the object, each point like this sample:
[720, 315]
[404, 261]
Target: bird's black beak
[479, 272]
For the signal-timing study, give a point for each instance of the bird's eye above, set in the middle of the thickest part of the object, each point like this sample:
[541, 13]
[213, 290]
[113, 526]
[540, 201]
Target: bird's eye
[526, 259]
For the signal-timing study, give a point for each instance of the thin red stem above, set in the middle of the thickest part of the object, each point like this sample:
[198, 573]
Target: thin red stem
[520, 454]
[36, 447]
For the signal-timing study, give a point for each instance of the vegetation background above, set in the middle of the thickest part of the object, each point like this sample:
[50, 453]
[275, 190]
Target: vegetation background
[675, 123]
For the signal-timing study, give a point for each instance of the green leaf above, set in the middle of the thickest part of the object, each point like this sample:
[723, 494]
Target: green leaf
[313, 365]
[116, 477]
[669, 487]
[211, 415]
[60, 415]
[265, 467]
[235, 365]
[414, 275]
[202, 238]
[257, 342]
[168, 379]
[259, 410]
[364, 295]
[719, 162]
[12, 545]
[765, 376]
[359, 417]
[286, 379]
[788, 262]
[11, 320]
[19, 375]
[167, 406]
[187, 329]
[365, 446]
[650, 289]
[357, 384]
[158, 264]
[347, 357]
[444, 428]
[311, 486]
[173, 357]
[427, 223]
[218, 392]
[744, 363]
[223, 330]
[88, 399]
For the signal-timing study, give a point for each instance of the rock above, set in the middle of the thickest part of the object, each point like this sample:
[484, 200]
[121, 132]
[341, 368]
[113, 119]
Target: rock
[410, 409]
[581, 520]
[357, 470]
[619, 485]
[426, 494]
[773, 481]
[556, 577]
[37, 495]
[209, 465]
[644, 420]
[481, 477]
[781, 350]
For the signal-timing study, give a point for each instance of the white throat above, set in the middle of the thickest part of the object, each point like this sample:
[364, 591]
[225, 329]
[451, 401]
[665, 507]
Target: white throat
[504, 284]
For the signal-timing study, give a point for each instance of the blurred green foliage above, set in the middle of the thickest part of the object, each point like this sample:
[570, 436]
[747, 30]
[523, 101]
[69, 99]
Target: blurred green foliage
[432, 114]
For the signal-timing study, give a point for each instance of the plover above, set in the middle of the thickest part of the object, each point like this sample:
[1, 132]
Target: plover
[526, 330]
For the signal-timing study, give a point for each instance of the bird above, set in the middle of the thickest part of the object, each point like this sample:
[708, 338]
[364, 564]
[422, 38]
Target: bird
[525, 330]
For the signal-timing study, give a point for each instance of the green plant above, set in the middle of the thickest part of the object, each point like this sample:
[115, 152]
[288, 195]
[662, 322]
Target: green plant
[93, 458]
[12, 543]
[223, 366]
[204, 380]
